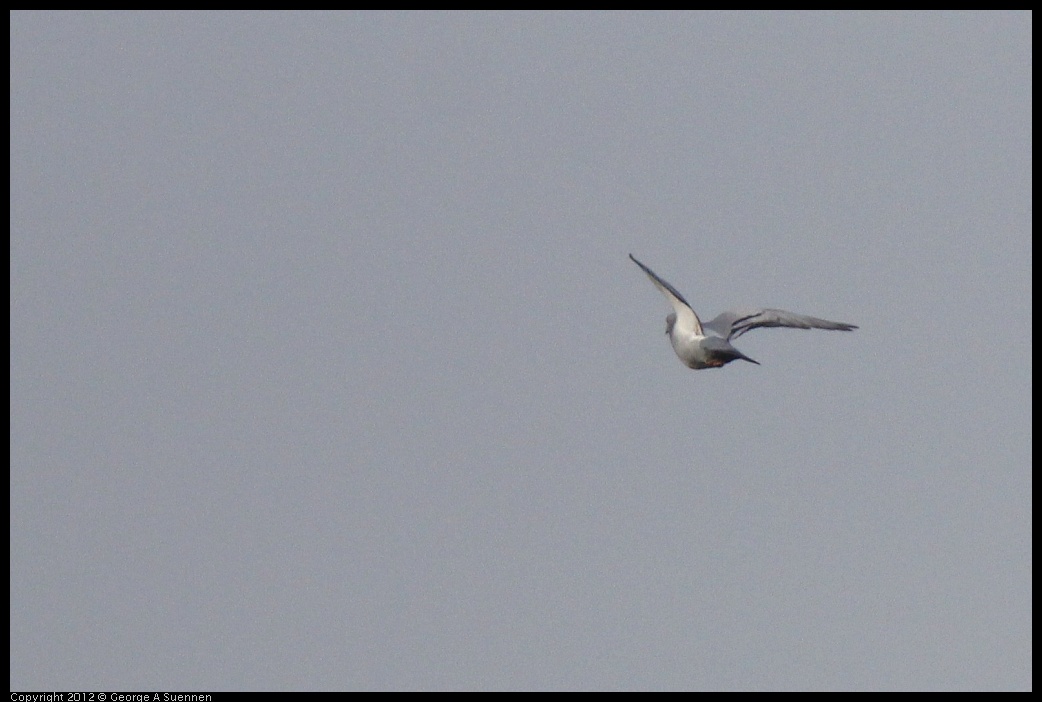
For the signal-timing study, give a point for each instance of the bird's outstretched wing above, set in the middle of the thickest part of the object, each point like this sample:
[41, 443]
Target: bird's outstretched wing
[687, 320]
[734, 323]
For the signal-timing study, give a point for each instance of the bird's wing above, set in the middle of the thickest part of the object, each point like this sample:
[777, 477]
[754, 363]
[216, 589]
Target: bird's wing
[733, 324]
[687, 320]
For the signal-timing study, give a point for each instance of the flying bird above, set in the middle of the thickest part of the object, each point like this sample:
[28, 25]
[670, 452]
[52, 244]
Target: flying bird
[698, 350]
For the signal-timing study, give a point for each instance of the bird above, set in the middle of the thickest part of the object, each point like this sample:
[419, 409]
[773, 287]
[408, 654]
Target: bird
[698, 350]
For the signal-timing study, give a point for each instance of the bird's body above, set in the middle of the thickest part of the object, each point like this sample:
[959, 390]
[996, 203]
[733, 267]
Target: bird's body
[697, 349]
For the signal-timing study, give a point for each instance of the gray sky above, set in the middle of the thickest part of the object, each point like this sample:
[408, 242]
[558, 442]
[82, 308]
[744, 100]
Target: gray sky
[329, 369]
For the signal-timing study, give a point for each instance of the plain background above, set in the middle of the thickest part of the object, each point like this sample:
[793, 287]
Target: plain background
[329, 369]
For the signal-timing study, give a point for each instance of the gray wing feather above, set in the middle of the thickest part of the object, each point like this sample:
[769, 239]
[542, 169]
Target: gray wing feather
[734, 323]
[683, 316]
